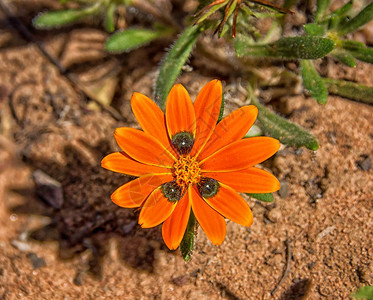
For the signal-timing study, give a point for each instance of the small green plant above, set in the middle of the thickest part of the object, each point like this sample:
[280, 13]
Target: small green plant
[365, 292]
[250, 52]
[121, 41]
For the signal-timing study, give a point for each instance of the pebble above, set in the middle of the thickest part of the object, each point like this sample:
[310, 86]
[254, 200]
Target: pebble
[21, 246]
[36, 261]
[284, 190]
[365, 163]
[274, 215]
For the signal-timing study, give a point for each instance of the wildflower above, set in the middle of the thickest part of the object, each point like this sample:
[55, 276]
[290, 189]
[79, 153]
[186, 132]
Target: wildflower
[186, 162]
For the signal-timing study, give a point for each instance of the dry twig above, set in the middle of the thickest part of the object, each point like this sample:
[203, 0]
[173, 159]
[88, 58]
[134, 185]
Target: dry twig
[287, 267]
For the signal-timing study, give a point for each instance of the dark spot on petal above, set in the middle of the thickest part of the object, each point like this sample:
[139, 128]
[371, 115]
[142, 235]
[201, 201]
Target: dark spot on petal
[172, 191]
[208, 187]
[183, 142]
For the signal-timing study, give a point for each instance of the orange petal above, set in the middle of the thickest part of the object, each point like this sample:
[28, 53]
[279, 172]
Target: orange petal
[133, 194]
[151, 118]
[156, 209]
[231, 205]
[142, 147]
[212, 223]
[180, 116]
[252, 180]
[232, 128]
[173, 228]
[241, 154]
[122, 163]
[207, 108]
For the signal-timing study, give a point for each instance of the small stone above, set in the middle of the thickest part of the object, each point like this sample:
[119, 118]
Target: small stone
[284, 189]
[36, 261]
[48, 189]
[274, 215]
[78, 280]
[365, 163]
[180, 280]
[21, 246]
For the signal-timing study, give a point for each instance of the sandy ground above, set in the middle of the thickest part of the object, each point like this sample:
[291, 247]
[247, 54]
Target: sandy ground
[317, 235]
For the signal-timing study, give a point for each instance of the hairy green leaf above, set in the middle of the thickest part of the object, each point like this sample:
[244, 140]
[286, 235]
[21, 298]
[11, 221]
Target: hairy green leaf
[304, 47]
[352, 45]
[322, 6]
[280, 128]
[109, 18]
[130, 39]
[355, 23]
[173, 62]
[365, 292]
[344, 57]
[221, 112]
[339, 16]
[314, 29]
[350, 90]
[363, 54]
[187, 243]
[267, 197]
[55, 19]
[313, 82]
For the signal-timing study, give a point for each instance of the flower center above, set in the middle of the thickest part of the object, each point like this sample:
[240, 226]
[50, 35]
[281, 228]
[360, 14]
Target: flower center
[186, 171]
[183, 142]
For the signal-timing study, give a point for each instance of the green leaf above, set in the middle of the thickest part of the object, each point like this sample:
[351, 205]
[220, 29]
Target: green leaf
[339, 16]
[322, 6]
[221, 112]
[352, 45]
[210, 12]
[173, 62]
[314, 29]
[129, 39]
[355, 23]
[304, 47]
[109, 18]
[365, 292]
[344, 57]
[350, 90]
[187, 243]
[55, 19]
[280, 128]
[268, 197]
[363, 54]
[313, 82]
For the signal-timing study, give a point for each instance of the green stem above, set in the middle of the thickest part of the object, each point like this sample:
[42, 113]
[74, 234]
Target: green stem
[187, 243]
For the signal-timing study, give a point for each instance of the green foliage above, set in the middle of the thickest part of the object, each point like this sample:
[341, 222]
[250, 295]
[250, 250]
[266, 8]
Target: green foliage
[313, 82]
[187, 243]
[173, 62]
[344, 57]
[266, 197]
[280, 128]
[314, 29]
[221, 112]
[363, 54]
[56, 19]
[350, 90]
[322, 7]
[358, 21]
[304, 47]
[132, 38]
[365, 292]
[109, 18]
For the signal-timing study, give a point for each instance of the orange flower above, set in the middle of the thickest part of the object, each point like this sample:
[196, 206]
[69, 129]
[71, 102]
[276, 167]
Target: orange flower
[185, 161]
